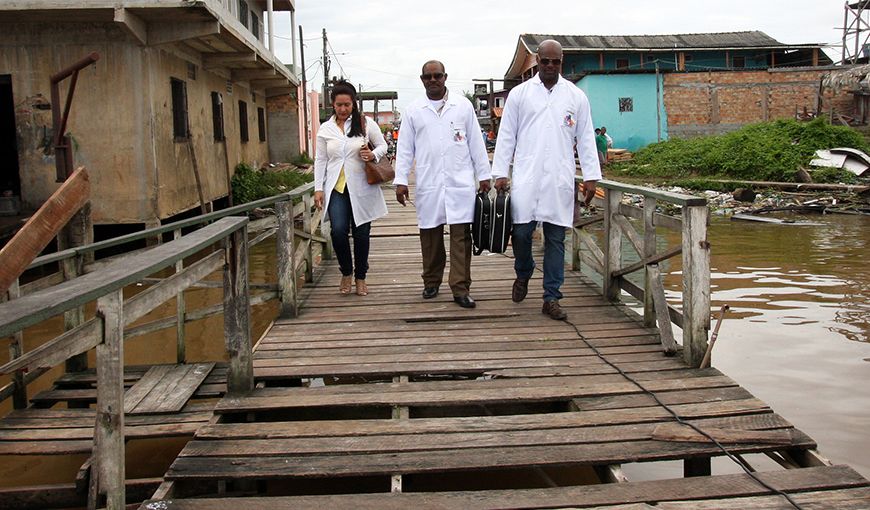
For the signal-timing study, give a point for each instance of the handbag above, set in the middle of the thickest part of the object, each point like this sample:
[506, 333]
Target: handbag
[377, 172]
[491, 225]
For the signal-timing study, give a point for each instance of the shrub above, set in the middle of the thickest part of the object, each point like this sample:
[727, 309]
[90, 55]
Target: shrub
[767, 151]
[302, 159]
[249, 184]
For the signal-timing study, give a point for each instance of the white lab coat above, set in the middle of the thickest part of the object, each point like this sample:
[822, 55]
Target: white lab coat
[335, 150]
[448, 156]
[537, 133]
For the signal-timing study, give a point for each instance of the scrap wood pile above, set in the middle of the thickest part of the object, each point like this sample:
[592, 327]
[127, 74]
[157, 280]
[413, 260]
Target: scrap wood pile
[616, 155]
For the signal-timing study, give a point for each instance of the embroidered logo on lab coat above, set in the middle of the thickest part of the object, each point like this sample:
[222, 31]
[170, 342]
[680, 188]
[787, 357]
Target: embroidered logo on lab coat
[569, 120]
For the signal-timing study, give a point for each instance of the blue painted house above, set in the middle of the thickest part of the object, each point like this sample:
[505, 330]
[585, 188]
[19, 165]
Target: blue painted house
[626, 77]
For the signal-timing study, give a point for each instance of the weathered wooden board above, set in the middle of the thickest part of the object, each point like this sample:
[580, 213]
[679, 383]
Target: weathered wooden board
[722, 486]
[165, 388]
[43, 226]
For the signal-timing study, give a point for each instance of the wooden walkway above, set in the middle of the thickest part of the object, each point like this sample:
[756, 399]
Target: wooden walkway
[390, 401]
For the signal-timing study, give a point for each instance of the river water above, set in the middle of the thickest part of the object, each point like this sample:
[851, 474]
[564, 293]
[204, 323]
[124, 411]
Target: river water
[797, 336]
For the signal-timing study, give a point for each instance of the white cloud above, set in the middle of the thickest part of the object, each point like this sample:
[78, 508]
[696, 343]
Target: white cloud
[382, 45]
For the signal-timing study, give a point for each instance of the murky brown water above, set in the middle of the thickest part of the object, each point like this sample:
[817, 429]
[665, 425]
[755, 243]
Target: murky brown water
[798, 337]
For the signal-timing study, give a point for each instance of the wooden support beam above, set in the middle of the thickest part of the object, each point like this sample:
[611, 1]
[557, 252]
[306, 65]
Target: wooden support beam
[654, 259]
[612, 244]
[696, 283]
[286, 259]
[237, 314]
[629, 232]
[43, 226]
[649, 249]
[176, 32]
[657, 290]
[254, 74]
[132, 24]
[269, 83]
[210, 60]
[308, 226]
[279, 91]
[109, 428]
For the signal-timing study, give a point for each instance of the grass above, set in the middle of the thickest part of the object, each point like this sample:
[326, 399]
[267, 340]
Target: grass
[249, 184]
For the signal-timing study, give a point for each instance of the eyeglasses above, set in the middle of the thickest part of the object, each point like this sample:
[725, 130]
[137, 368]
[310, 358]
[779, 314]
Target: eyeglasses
[432, 76]
[551, 61]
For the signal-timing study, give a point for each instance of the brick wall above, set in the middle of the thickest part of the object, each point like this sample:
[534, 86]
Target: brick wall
[718, 102]
[282, 127]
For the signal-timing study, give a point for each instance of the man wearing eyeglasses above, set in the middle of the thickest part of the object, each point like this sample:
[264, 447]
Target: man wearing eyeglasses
[440, 139]
[542, 120]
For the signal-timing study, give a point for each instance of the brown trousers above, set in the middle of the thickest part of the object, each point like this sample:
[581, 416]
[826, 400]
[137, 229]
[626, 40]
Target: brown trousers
[435, 258]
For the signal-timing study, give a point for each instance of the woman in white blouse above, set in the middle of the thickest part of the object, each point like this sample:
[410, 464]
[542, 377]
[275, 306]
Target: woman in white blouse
[340, 184]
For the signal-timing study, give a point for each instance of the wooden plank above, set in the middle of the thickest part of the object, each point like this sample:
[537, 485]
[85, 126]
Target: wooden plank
[66, 495]
[667, 196]
[721, 486]
[34, 308]
[385, 464]
[43, 226]
[612, 245]
[237, 314]
[844, 499]
[165, 388]
[657, 289]
[684, 433]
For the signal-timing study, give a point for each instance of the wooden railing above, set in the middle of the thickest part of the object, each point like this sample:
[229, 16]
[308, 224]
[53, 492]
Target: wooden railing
[694, 318]
[107, 330]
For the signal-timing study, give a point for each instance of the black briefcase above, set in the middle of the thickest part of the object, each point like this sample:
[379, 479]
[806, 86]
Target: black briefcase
[501, 224]
[481, 225]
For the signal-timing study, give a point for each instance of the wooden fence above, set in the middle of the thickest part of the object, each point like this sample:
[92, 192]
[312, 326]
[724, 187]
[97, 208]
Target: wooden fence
[103, 281]
[694, 318]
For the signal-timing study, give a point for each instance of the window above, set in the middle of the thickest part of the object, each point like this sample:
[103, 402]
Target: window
[255, 26]
[217, 116]
[261, 123]
[180, 126]
[687, 57]
[243, 12]
[243, 121]
[191, 71]
[622, 63]
[626, 104]
[739, 62]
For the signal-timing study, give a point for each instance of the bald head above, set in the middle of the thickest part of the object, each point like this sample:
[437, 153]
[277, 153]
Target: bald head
[439, 65]
[549, 62]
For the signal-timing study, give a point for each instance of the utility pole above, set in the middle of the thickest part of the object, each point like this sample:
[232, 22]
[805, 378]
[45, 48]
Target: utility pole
[304, 92]
[325, 99]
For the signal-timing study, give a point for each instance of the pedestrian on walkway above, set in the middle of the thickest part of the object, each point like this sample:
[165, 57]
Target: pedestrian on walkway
[440, 140]
[542, 120]
[340, 185]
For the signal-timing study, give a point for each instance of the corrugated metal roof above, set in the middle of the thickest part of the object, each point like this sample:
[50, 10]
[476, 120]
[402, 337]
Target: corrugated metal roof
[750, 39]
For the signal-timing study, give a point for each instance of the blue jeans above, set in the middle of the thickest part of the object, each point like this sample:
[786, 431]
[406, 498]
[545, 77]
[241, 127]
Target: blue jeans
[341, 221]
[554, 256]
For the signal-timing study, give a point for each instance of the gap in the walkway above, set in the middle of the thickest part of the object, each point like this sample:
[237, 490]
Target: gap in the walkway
[502, 479]
[453, 318]
[507, 409]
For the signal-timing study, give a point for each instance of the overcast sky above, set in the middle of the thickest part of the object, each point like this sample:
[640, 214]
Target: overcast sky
[383, 44]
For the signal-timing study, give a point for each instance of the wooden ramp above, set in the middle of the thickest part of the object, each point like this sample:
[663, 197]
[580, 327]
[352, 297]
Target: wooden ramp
[390, 401]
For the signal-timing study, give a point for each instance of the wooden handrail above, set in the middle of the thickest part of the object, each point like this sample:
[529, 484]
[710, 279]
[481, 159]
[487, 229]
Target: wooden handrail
[169, 227]
[20, 313]
[667, 196]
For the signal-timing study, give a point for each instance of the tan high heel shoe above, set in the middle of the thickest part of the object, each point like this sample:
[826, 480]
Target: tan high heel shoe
[344, 286]
[361, 288]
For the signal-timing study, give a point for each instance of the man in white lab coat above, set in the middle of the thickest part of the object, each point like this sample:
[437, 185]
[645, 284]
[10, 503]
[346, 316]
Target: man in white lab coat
[542, 119]
[440, 138]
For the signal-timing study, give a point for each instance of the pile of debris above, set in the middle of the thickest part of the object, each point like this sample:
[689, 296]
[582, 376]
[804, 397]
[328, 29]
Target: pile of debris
[844, 158]
[617, 155]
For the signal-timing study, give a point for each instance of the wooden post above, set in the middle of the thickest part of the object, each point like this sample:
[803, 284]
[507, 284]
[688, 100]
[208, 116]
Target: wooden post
[649, 249]
[307, 222]
[575, 249]
[286, 259]
[180, 312]
[237, 314]
[696, 284]
[109, 429]
[77, 232]
[325, 232]
[612, 244]
[16, 349]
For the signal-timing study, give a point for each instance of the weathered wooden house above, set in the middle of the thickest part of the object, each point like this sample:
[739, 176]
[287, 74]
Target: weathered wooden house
[182, 92]
[649, 87]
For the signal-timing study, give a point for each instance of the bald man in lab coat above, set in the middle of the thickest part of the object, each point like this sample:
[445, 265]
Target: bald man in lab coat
[542, 120]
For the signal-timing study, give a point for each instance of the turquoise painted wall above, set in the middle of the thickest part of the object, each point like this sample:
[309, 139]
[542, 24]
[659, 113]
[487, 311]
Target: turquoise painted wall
[629, 130]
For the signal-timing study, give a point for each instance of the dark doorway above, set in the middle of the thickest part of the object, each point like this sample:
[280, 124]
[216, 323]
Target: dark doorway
[9, 179]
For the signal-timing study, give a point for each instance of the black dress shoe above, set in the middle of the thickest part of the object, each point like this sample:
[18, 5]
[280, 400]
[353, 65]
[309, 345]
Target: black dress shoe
[464, 301]
[430, 292]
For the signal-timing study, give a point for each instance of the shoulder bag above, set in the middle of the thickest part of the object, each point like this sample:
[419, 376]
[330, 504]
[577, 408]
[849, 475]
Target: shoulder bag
[377, 172]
